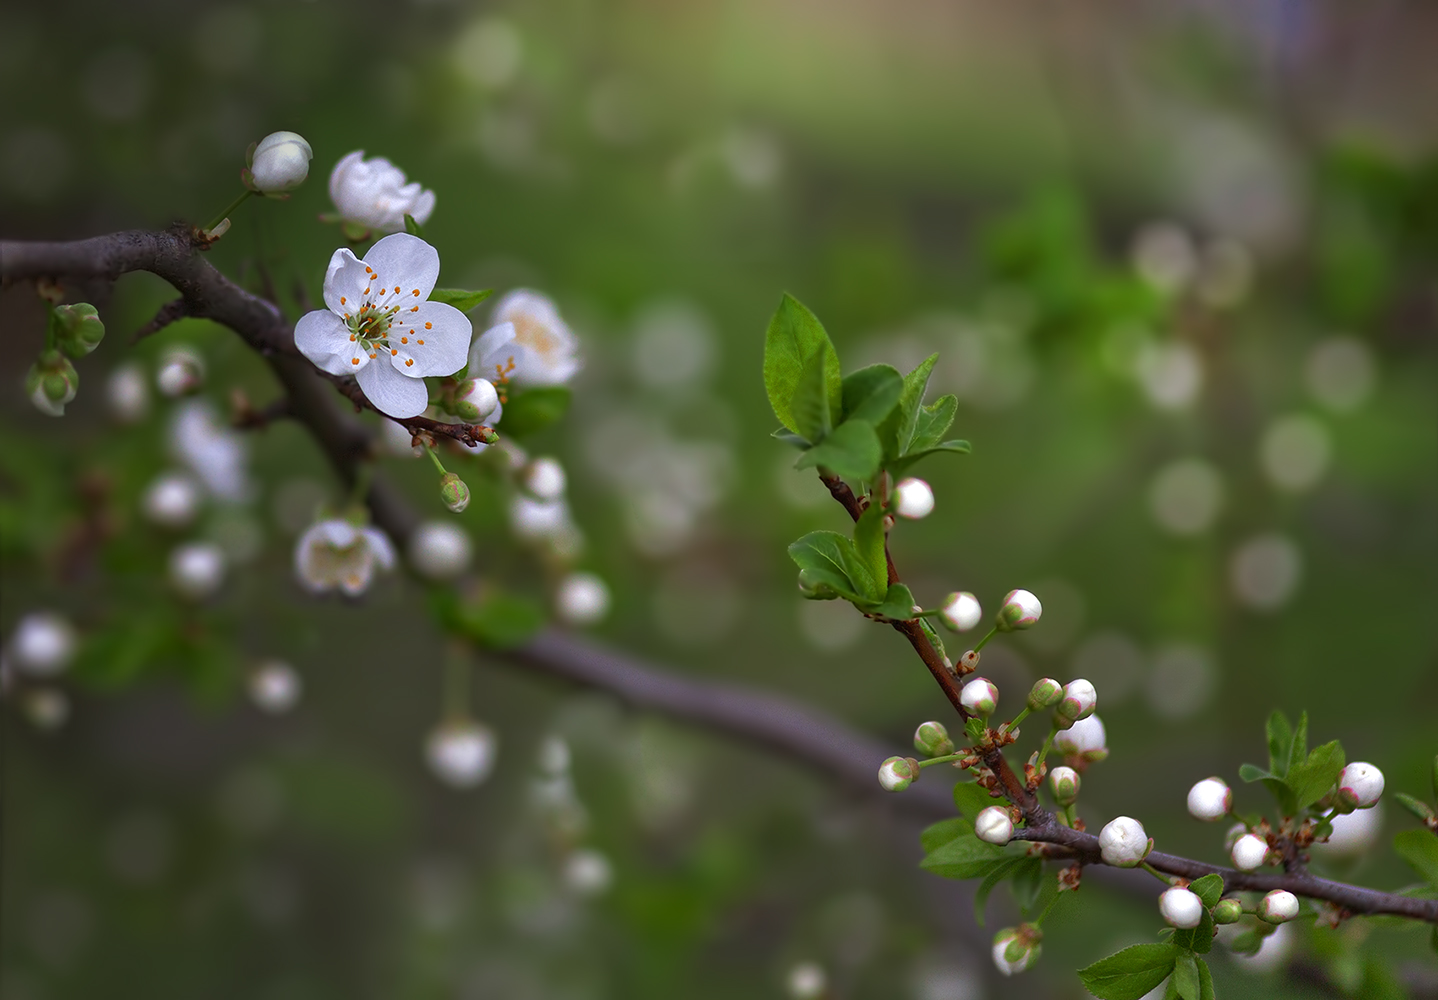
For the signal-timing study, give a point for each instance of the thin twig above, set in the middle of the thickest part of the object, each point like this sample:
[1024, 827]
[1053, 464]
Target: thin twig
[175, 309]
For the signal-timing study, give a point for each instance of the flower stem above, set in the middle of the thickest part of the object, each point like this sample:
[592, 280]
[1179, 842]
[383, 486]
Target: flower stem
[435, 459]
[1156, 873]
[1044, 750]
[360, 489]
[992, 632]
[1009, 727]
[945, 759]
[230, 208]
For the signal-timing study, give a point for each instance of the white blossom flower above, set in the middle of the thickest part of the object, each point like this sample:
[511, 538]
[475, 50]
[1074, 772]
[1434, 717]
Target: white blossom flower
[961, 611]
[582, 599]
[197, 569]
[994, 825]
[806, 981]
[379, 306]
[43, 643]
[913, 498]
[980, 696]
[439, 550]
[217, 455]
[1278, 906]
[275, 687]
[1086, 738]
[544, 478]
[1353, 834]
[1210, 799]
[127, 393]
[545, 349]
[1123, 842]
[372, 194]
[280, 162]
[587, 872]
[1360, 786]
[1181, 907]
[181, 371]
[1249, 852]
[461, 752]
[335, 553]
[171, 501]
[536, 520]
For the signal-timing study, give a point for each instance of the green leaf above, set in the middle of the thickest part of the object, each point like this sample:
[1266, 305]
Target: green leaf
[795, 336]
[1416, 806]
[1200, 938]
[957, 447]
[1281, 792]
[1311, 778]
[835, 553]
[990, 882]
[813, 576]
[851, 452]
[412, 227]
[1209, 888]
[1130, 973]
[789, 437]
[869, 541]
[1420, 849]
[972, 798]
[534, 409]
[460, 298]
[897, 431]
[1205, 982]
[497, 621]
[870, 394]
[945, 830]
[963, 857]
[1280, 743]
[1298, 750]
[1028, 882]
[810, 406]
[1185, 976]
[933, 423]
[898, 604]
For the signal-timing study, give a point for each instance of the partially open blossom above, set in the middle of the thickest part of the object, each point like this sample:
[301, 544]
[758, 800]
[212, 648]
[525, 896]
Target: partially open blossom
[43, 643]
[1045, 693]
[1020, 610]
[980, 696]
[932, 740]
[197, 569]
[1123, 842]
[961, 611]
[1249, 852]
[281, 161]
[461, 752]
[78, 328]
[545, 351]
[51, 383]
[582, 599]
[439, 550]
[913, 498]
[372, 194]
[1181, 907]
[335, 554]
[1210, 799]
[1085, 738]
[171, 501]
[1278, 906]
[380, 327]
[275, 687]
[1064, 782]
[1079, 701]
[1360, 786]
[898, 773]
[1016, 948]
[994, 825]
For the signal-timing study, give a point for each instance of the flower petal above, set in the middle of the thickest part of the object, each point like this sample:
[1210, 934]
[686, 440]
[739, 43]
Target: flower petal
[345, 282]
[491, 349]
[354, 569]
[423, 207]
[339, 173]
[407, 261]
[393, 394]
[430, 339]
[380, 547]
[323, 337]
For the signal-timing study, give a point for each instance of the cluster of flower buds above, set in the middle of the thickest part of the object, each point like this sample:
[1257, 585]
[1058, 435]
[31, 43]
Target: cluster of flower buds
[1017, 948]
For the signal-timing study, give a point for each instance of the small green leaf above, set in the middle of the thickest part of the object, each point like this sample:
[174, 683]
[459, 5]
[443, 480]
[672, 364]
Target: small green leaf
[1298, 750]
[1200, 938]
[851, 452]
[1420, 849]
[972, 798]
[1311, 778]
[810, 406]
[1209, 888]
[813, 577]
[897, 432]
[498, 621]
[987, 886]
[534, 409]
[937, 834]
[795, 335]
[412, 227]
[1417, 807]
[1252, 772]
[1130, 973]
[898, 604]
[460, 298]
[869, 542]
[958, 447]
[1281, 792]
[870, 394]
[1280, 743]
[833, 552]
[963, 857]
[1205, 982]
[933, 423]
[789, 437]
[1028, 882]
[1185, 976]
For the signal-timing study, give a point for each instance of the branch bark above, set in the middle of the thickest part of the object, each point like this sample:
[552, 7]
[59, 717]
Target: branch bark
[176, 254]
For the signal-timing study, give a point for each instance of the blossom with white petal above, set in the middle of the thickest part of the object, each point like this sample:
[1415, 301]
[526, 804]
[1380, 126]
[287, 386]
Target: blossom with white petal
[1210, 799]
[1016, 948]
[588, 872]
[537, 520]
[197, 569]
[372, 194]
[994, 825]
[216, 454]
[43, 643]
[1086, 738]
[582, 599]
[275, 687]
[1360, 786]
[172, 500]
[1181, 907]
[337, 554]
[980, 696]
[1278, 906]
[961, 611]
[545, 350]
[1249, 852]
[544, 478]
[913, 498]
[439, 550]
[380, 327]
[461, 752]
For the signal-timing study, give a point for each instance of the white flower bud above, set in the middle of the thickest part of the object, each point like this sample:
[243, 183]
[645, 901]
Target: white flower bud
[172, 500]
[961, 611]
[1278, 906]
[1064, 782]
[128, 393]
[281, 161]
[47, 708]
[475, 400]
[1079, 701]
[1045, 693]
[1016, 948]
[182, 371]
[1085, 738]
[545, 479]
[1123, 842]
[43, 643]
[932, 740]
[1210, 799]
[898, 773]
[980, 696]
[806, 981]
[1360, 786]
[439, 550]
[1249, 852]
[197, 569]
[1020, 610]
[461, 753]
[994, 825]
[1180, 907]
[913, 498]
[587, 872]
[582, 599]
[275, 687]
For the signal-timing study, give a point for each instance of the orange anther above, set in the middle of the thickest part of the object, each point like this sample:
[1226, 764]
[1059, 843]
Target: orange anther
[408, 362]
[343, 300]
[393, 352]
[354, 361]
[416, 291]
[404, 340]
[429, 326]
[396, 289]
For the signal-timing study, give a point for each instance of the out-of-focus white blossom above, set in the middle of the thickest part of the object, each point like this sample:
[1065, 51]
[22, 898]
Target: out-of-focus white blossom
[544, 478]
[372, 194]
[1210, 799]
[536, 520]
[1085, 738]
[961, 611]
[216, 454]
[588, 872]
[1354, 834]
[582, 599]
[913, 498]
[1015, 949]
[43, 643]
[546, 351]
[461, 753]
[440, 550]
[335, 554]
[197, 569]
[806, 981]
[171, 501]
[47, 708]
[275, 687]
[181, 371]
[127, 392]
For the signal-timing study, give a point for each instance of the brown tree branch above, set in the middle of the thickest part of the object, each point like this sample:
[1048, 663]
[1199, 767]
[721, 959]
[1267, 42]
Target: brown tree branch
[800, 731]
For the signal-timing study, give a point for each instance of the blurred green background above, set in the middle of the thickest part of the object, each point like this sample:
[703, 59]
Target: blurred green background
[1177, 258]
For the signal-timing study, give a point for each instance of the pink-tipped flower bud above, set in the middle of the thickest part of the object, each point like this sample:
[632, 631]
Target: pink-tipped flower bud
[1123, 842]
[1227, 911]
[961, 611]
[898, 773]
[1249, 852]
[1020, 610]
[1079, 701]
[932, 740]
[994, 825]
[980, 696]
[1279, 906]
[1085, 739]
[913, 498]
[454, 492]
[1064, 782]
[1180, 907]
[1017, 948]
[475, 400]
[1046, 693]
[1209, 800]
[1360, 786]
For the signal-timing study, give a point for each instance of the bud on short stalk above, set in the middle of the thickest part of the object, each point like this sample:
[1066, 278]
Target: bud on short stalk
[78, 329]
[453, 492]
[1085, 739]
[898, 773]
[1181, 908]
[994, 825]
[980, 696]
[1045, 693]
[1360, 786]
[913, 498]
[932, 740]
[961, 611]
[1249, 852]
[1279, 906]
[1017, 948]
[280, 162]
[51, 383]
[1123, 842]
[1064, 783]
[1227, 911]
[1210, 799]
[1079, 701]
[475, 400]
[1020, 610]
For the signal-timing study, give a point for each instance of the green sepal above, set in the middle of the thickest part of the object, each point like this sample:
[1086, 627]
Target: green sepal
[795, 342]
[460, 298]
[1131, 973]
[851, 451]
[535, 409]
[412, 227]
